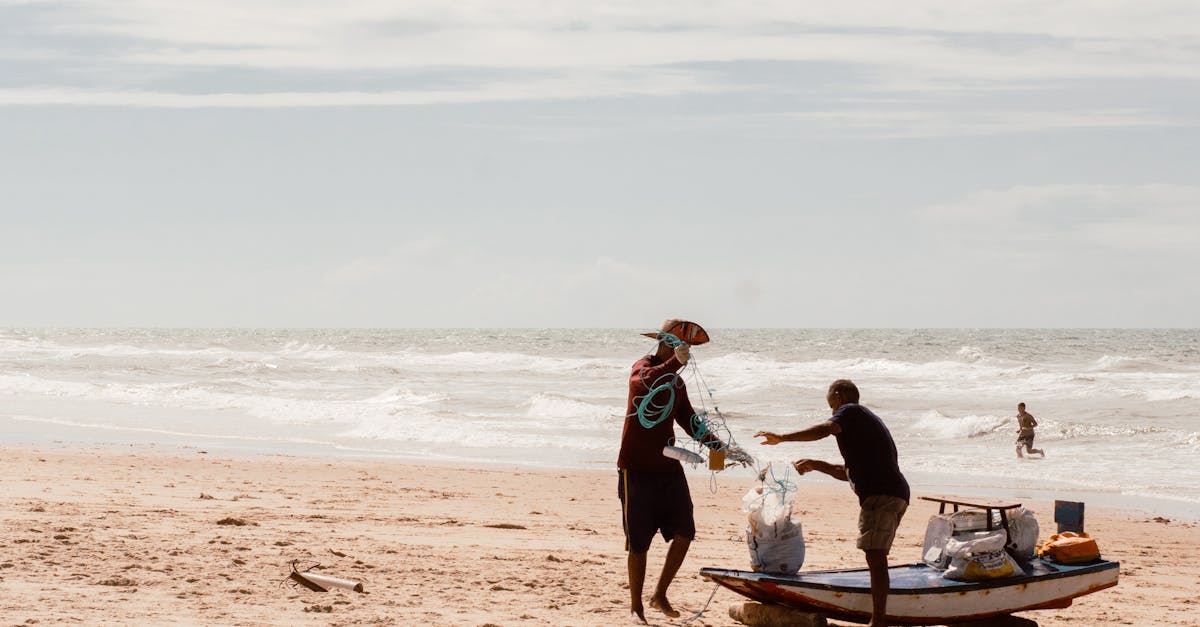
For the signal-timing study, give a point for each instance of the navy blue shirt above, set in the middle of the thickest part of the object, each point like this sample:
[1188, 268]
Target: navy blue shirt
[869, 452]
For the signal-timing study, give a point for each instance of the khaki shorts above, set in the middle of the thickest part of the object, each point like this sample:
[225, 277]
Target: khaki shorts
[878, 520]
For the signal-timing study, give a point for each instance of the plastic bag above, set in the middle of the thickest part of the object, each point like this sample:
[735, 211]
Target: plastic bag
[980, 555]
[938, 531]
[776, 542]
[942, 528]
[973, 520]
[1022, 534]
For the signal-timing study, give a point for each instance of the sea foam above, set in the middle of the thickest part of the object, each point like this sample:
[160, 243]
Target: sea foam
[1105, 400]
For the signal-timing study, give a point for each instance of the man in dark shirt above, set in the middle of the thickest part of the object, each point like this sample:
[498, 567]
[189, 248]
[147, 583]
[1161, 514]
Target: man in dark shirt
[870, 465]
[652, 487]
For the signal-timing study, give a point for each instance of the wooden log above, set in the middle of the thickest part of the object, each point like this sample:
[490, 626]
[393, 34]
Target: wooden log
[760, 615]
[1000, 621]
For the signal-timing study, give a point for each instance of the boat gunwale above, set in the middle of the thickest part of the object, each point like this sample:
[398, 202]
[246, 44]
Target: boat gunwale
[955, 586]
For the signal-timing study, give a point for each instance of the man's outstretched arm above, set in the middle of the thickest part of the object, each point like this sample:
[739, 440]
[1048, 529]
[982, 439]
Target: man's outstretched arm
[837, 471]
[811, 434]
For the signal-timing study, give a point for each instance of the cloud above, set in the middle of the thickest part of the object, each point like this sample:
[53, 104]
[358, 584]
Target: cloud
[356, 271]
[299, 23]
[907, 122]
[660, 82]
[462, 285]
[588, 50]
[1159, 219]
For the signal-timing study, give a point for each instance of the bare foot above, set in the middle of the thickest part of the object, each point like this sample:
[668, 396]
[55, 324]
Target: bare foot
[663, 605]
[637, 615]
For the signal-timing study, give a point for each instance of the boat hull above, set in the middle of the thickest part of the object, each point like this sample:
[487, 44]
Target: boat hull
[919, 595]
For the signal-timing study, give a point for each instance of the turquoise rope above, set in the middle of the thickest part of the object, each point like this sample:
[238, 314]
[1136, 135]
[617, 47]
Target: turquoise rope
[669, 340]
[699, 425]
[649, 413]
[781, 487]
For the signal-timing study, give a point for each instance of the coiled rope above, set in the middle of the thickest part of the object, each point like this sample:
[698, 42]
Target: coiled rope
[656, 405]
[649, 412]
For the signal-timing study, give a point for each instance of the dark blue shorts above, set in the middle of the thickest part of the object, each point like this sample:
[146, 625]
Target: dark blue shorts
[654, 502]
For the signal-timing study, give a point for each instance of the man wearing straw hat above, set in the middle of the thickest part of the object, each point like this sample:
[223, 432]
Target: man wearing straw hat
[652, 487]
[871, 468]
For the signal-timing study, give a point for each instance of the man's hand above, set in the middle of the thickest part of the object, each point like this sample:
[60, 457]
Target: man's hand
[805, 465]
[683, 352]
[769, 438]
[837, 471]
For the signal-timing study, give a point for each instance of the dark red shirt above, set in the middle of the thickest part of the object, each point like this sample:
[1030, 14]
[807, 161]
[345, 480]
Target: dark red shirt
[641, 448]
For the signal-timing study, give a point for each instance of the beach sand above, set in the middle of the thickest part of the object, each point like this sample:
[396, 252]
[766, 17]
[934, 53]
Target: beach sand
[134, 535]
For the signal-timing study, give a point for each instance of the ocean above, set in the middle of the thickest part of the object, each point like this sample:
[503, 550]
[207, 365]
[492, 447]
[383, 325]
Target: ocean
[1118, 410]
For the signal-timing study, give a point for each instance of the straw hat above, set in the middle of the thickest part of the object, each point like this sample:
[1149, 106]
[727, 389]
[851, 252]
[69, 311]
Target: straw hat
[689, 332]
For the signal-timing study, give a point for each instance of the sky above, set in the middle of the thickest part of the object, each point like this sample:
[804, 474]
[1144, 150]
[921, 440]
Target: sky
[270, 163]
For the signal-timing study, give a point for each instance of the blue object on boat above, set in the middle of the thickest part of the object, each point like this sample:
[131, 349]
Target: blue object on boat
[1069, 516]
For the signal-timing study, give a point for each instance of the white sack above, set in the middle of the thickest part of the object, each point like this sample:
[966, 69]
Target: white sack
[775, 541]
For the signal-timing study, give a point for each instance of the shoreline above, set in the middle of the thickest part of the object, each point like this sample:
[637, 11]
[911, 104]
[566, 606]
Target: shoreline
[130, 534]
[1184, 510]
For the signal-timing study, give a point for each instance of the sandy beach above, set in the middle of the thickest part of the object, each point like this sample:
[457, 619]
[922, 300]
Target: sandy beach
[147, 535]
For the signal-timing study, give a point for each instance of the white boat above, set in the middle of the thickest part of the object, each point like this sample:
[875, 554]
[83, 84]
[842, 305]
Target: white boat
[919, 594]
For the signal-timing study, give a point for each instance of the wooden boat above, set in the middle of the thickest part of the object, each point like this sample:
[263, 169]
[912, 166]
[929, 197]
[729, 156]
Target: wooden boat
[919, 594]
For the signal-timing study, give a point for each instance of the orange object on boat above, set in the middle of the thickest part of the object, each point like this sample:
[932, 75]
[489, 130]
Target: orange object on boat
[1069, 547]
